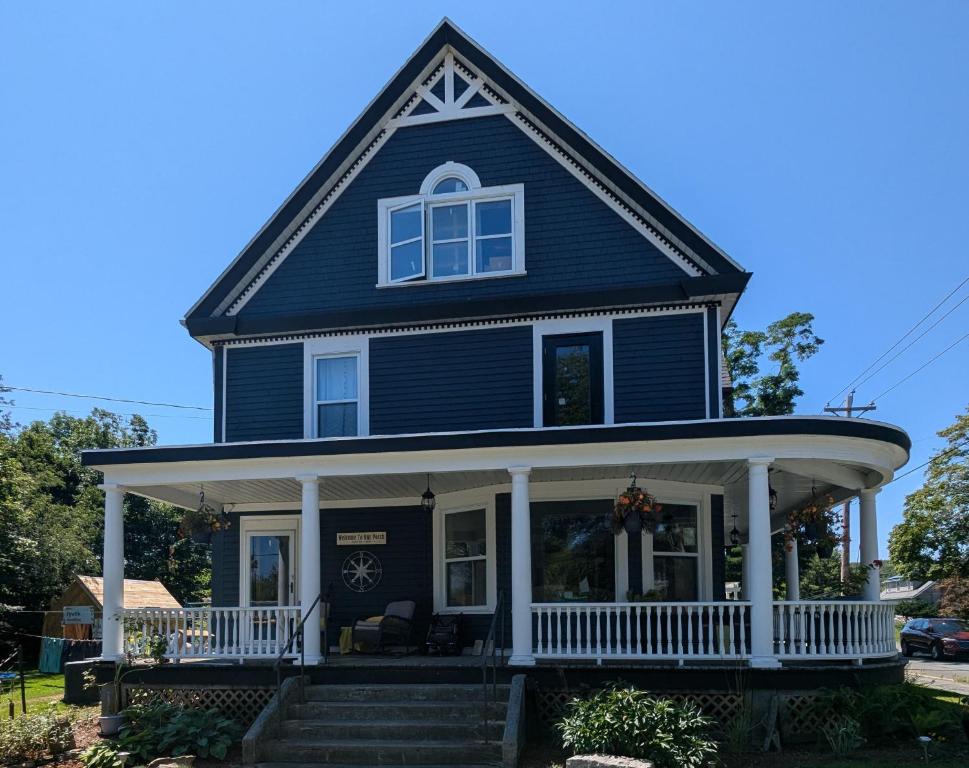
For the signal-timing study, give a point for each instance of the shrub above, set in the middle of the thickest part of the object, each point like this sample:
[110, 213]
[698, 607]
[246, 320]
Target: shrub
[35, 735]
[200, 732]
[630, 723]
[902, 711]
[914, 608]
[101, 754]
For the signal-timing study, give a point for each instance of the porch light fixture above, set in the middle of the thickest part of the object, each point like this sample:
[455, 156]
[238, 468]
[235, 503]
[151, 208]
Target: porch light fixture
[734, 533]
[427, 498]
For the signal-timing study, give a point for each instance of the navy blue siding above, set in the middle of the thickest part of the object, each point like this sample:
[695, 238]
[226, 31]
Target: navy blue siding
[574, 241]
[635, 542]
[225, 564]
[713, 361]
[719, 563]
[659, 364]
[217, 394]
[264, 393]
[441, 382]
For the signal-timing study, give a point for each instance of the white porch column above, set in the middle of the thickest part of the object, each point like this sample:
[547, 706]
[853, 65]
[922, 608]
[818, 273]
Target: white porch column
[521, 569]
[112, 619]
[792, 572]
[309, 566]
[869, 543]
[761, 590]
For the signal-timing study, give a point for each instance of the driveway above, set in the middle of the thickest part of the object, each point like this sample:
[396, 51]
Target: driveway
[944, 675]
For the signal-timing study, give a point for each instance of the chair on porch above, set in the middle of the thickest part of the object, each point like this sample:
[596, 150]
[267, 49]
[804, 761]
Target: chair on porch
[376, 634]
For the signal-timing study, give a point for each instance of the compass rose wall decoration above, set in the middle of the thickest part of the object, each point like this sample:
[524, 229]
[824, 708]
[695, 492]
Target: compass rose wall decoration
[362, 571]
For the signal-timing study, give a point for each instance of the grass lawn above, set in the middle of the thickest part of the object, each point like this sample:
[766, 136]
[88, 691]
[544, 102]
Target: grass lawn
[41, 689]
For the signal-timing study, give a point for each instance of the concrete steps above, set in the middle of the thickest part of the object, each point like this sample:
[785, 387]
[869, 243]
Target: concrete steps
[431, 726]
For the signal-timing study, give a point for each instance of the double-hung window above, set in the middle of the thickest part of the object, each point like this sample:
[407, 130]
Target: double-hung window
[337, 395]
[675, 553]
[455, 229]
[466, 558]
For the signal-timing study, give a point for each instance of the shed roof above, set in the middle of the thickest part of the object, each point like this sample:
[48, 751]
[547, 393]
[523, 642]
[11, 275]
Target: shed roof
[137, 593]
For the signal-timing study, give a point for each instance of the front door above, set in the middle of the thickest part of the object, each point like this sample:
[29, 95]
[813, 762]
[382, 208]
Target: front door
[269, 582]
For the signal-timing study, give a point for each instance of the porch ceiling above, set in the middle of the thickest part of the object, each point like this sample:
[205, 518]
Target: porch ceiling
[792, 487]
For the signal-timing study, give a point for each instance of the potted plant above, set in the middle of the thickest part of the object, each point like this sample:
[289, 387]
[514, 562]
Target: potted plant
[199, 524]
[634, 509]
[111, 719]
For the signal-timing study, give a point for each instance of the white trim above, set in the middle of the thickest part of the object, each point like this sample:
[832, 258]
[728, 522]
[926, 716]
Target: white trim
[447, 170]
[464, 325]
[282, 524]
[463, 502]
[475, 195]
[621, 559]
[542, 328]
[706, 368]
[720, 362]
[358, 346]
[605, 195]
[225, 377]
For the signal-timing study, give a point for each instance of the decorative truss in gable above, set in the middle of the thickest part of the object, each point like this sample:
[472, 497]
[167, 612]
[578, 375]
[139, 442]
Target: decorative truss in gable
[450, 92]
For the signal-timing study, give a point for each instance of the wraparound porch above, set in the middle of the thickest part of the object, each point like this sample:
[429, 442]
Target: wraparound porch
[531, 468]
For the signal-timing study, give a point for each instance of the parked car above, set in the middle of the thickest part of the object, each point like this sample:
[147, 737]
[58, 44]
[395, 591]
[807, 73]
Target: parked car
[943, 638]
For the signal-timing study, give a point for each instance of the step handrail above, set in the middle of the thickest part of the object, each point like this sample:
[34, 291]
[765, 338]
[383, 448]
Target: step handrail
[300, 632]
[498, 615]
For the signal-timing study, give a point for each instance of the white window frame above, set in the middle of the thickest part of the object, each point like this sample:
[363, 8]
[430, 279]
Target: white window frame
[474, 195]
[266, 526]
[460, 502]
[337, 346]
[703, 555]
[317, 402]
[422, 239]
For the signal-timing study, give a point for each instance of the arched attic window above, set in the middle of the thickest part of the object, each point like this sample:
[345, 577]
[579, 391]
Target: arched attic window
[454, 229]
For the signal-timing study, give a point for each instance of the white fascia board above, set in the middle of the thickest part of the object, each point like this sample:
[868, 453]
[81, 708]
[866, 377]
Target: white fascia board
[875, 455]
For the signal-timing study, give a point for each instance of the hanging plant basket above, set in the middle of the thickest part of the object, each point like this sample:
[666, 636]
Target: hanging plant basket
[817, 525]
[635, 510]
[199, 524]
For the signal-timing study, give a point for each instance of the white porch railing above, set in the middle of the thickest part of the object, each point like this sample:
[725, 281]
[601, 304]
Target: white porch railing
[831, 630]
[207, 633]
[641, 630]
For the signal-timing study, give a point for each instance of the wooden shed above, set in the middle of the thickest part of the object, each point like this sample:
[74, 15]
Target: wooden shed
[88, 591]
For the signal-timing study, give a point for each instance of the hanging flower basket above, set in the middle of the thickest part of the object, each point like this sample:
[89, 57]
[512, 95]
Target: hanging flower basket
[199, 524]
[817, 525]
[635, 509]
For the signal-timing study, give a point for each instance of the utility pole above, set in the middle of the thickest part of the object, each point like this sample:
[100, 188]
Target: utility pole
[848, 410]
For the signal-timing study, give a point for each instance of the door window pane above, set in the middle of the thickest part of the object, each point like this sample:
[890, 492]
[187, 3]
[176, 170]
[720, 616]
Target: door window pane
[576, 559]
[269, 570]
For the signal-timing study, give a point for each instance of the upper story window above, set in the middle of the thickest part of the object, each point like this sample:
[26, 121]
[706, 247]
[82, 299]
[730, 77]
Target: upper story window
[337, 396]
[455, 229]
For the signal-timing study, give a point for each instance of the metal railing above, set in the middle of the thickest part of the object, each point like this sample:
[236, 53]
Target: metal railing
[490, 653]
[299, 633]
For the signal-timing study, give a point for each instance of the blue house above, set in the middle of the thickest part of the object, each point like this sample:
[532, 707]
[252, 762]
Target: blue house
[435, 369]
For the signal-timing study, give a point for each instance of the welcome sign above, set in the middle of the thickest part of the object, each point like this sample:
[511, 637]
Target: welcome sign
[361, 538]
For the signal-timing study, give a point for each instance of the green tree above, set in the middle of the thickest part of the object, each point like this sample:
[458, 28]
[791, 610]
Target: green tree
[821, 578]
[785, 343]
[932, 541]
[51, 513]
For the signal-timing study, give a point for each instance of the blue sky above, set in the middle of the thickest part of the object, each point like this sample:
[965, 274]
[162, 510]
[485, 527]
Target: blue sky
[823, 145]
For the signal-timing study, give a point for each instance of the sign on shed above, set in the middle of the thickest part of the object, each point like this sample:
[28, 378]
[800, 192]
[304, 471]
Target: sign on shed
[78, 614]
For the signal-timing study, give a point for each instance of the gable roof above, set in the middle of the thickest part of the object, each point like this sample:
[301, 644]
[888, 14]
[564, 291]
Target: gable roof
[137, 593]
[398, 97]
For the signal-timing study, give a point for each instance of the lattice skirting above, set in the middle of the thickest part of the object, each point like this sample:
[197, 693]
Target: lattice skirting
[241, 704]
[798, 719]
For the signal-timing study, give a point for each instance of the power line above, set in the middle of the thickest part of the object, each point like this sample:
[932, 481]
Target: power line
[945, 454]
[904, 336]
[925, 364]
[99, 397]
[912, 342]
[82, 413]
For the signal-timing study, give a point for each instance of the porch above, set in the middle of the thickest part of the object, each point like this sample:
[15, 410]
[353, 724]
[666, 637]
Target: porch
[724, 473]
